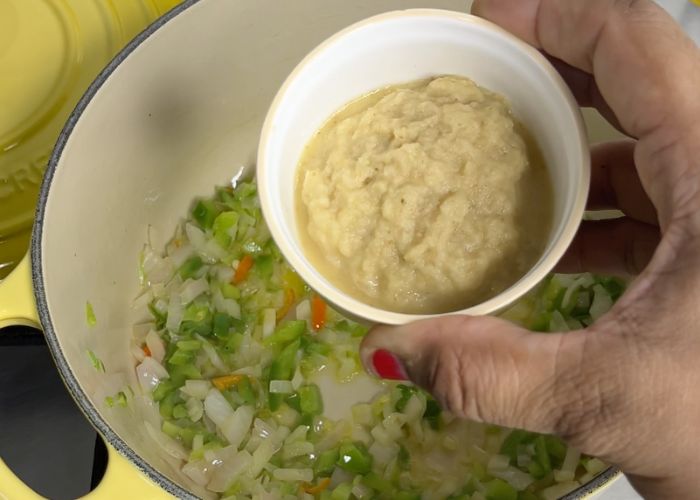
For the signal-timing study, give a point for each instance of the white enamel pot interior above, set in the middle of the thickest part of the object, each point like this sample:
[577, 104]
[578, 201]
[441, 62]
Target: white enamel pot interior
[176, 113]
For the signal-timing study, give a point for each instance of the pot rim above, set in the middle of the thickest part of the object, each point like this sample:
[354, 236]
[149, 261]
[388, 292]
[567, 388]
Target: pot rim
[602, 480]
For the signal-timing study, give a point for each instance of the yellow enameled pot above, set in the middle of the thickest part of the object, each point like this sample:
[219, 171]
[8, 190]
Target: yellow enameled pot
[177, 112]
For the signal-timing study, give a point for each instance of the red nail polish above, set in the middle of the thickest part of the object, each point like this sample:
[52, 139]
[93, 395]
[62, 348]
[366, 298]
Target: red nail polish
[388, 366]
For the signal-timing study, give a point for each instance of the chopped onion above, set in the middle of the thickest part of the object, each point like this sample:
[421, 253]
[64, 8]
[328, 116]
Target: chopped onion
[269, 322]
[196, 388]
[212, 355]
[195, 409]
[217, 408]
[281, 387]
[155, 345]
[192, 289]
[293, 474]
[149, 373]
[237, 425]
[198, 471]
[602, 302]
[571, 459]
[558, 490]
[562, 476]
[180, 255]
[513, 476]
[226, 473]
[174, 319]
[498, 462]
[297, 449]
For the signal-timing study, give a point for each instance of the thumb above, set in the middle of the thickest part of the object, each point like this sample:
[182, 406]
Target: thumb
[485, 369]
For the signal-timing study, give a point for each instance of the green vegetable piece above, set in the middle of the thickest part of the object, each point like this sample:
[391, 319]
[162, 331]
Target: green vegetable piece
[342, 492]
[163, 388]
[541, 455]
[293, 401]
[354, 457]
[233, 342]
[221, 324]
[374, 481]
[479, 470]
[312, 346]
[405, 392]
[310, 400]
[513, 440]
[245, 190]
[325, 463]
[432, 413]
[109, 401]
[355, 329]
[285, 333]
[189, 345]
[274, 401]
[170, 429]
[90, 315]
[180, 411]
[181, 357]
[180, 373]
[221, 226]
[159, 317]
[282, 368]
[168, 403]
[205, 212]
[555, 448]
[264, 266]
[96, 362]
[121, 399]
[497, 489]
[245, 390]
[190, 267]
[536, 470]
[230, 291]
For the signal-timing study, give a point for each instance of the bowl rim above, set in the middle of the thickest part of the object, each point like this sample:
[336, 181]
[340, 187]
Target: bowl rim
[356, 307]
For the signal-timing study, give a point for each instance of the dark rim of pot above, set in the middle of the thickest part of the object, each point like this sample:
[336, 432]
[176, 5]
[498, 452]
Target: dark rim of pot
[68, 376]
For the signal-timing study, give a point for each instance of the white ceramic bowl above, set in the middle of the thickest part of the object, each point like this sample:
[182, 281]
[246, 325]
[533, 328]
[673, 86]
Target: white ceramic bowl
[402, 46]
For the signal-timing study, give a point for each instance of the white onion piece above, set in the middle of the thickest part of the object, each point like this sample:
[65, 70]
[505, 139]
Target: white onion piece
[193, 289]
[226, 473]
[515, 477]
[137, 352]
[281, 387]
[571, 459]
[217, 408]
[196, 236]
[149, 373]
[198, 471]
[155, 345]
[602, 302]
[269, 322]
[224, 274]
[212, 355]
[180, 255]
[293, 474]
[196, 388]
[237, 425]
[174, 314]
[195, 409]
[297, 449]
[498, 462]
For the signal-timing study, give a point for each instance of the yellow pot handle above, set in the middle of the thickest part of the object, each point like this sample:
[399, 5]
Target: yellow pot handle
[121, 479]
[17, 306]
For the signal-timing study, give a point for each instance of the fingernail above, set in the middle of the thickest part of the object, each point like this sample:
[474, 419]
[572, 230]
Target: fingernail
[388, 366]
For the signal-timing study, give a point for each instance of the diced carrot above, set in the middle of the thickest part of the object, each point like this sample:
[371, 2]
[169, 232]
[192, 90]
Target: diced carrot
[319, 488]
[289, 299]
[146, 350]
[318, 312]
[242, 270]
[226, 381]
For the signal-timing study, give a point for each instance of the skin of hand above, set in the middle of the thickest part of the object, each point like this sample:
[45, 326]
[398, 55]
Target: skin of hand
[626, 389]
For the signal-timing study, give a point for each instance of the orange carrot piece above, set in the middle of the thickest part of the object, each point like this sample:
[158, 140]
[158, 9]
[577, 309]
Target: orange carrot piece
[289, 299]
[318, 312]
[146, 350]
[242, 270]
[226, 381]
[320, 487]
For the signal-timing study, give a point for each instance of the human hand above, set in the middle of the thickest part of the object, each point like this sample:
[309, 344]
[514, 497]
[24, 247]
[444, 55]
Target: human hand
[626, 388]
